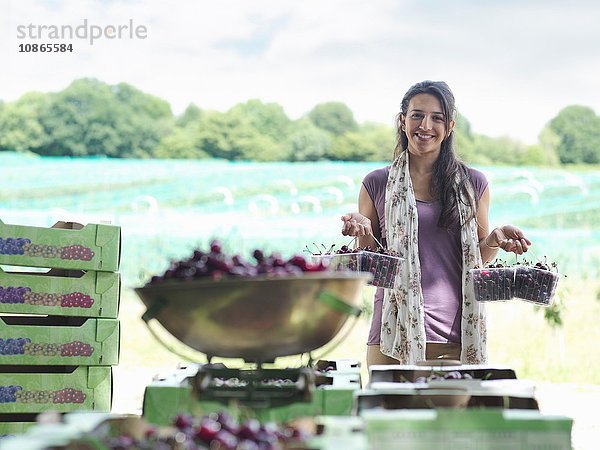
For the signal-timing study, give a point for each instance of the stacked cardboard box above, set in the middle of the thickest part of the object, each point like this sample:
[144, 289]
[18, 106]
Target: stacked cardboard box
[59, 331]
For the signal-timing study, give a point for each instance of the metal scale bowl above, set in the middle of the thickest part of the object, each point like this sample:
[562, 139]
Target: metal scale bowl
[256, 319]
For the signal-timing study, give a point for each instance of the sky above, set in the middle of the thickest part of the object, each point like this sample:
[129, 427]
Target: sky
[512, 65]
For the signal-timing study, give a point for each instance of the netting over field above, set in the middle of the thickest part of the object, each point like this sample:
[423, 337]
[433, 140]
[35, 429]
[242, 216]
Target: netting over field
[167, 207]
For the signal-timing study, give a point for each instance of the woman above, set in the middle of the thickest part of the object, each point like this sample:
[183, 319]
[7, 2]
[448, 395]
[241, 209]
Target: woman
[433, 210]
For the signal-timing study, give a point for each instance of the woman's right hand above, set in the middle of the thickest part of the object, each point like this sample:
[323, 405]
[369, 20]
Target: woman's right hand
[355, 224]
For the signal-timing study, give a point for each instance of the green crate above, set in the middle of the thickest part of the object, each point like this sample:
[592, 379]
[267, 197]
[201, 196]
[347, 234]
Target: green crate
[58, 341]
[339, 432]
[61, 293]
[162, 402]
[14, 428]
[165, 398]
[63, 246]
[492, 429]
[56, 388]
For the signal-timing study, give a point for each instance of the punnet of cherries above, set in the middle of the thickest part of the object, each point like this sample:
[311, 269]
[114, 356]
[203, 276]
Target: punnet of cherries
[215, 264]
[528, 281]
[383, 263]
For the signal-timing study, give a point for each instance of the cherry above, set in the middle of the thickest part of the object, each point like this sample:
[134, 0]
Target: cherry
[215, 247]
[249, 429]
[183, 421]
[227, 440]
[258, 255]
[207, 430]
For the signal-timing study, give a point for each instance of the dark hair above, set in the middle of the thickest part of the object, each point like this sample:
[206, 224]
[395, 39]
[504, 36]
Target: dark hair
[450, 175]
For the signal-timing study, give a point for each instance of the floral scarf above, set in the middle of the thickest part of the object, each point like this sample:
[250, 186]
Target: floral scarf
[403, 317]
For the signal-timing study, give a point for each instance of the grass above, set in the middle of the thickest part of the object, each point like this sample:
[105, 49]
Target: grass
[518, 337]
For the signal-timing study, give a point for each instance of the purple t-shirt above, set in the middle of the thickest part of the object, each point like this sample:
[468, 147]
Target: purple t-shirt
[441, 263]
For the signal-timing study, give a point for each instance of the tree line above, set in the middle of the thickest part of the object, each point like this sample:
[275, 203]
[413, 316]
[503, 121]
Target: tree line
[92, 118]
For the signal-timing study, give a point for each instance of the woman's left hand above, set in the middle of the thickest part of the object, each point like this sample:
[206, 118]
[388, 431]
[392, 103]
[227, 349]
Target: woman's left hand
[509, 238]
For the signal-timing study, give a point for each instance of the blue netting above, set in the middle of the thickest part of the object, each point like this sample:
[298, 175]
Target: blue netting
[166, 207]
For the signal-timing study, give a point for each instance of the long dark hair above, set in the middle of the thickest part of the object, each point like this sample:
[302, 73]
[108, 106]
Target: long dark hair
[450, 175]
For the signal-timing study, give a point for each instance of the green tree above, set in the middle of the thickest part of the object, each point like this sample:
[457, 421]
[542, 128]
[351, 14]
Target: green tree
[307, 142]
[268, 119]
[544, 153]
[93, 118]
[334, 117]
[372, 142]
[464, 141]
[20, 128]
[578, 128]
[179, 144]
[231, 136]
[191, 115]
[502, 150]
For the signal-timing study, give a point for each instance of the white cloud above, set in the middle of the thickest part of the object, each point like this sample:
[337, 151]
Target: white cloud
[513, 65]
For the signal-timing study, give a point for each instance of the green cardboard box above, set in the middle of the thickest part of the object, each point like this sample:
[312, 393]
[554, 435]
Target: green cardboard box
[166, 397]
[66, 245]
[13, 428]
[61, 292]
[55, 388]
[339, 432]
[490, 429]
[73, 341]
[163, 401]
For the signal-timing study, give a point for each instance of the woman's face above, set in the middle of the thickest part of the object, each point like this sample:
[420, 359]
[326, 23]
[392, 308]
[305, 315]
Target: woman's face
[425, 125]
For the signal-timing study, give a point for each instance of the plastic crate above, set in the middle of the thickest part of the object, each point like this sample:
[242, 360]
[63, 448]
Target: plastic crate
[535, 285]
[385, 268]
[60, 293]
[526, 283]
[493, 284]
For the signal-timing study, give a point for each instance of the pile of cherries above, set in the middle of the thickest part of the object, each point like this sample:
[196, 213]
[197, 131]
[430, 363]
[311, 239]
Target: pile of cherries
[214, 431]
[345, 249]
[452, 375]
[536, 283]
[215, 264]
[383, 263]
[532, 282]
[494, 283]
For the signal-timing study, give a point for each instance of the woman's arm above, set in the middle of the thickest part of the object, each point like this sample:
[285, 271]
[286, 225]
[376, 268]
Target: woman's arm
[507, 237]
[488, 251]
[364, 222]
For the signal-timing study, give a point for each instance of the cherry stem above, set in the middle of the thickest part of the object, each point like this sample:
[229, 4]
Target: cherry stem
[352, 243]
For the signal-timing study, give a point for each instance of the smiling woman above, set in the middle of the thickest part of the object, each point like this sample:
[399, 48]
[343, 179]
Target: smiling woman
[432, 210]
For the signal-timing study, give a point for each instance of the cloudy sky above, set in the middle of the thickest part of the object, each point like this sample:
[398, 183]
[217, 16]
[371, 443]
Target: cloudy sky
[512, 64]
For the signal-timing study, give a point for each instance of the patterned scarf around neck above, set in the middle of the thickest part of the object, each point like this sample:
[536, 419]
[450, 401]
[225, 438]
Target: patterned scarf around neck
[403, 317]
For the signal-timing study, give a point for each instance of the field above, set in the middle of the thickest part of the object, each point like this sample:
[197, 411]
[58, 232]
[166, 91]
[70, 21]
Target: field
[167, 208]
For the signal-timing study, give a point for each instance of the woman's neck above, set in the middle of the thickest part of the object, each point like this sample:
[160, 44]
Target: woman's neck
[421, 171]
[421, 165]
